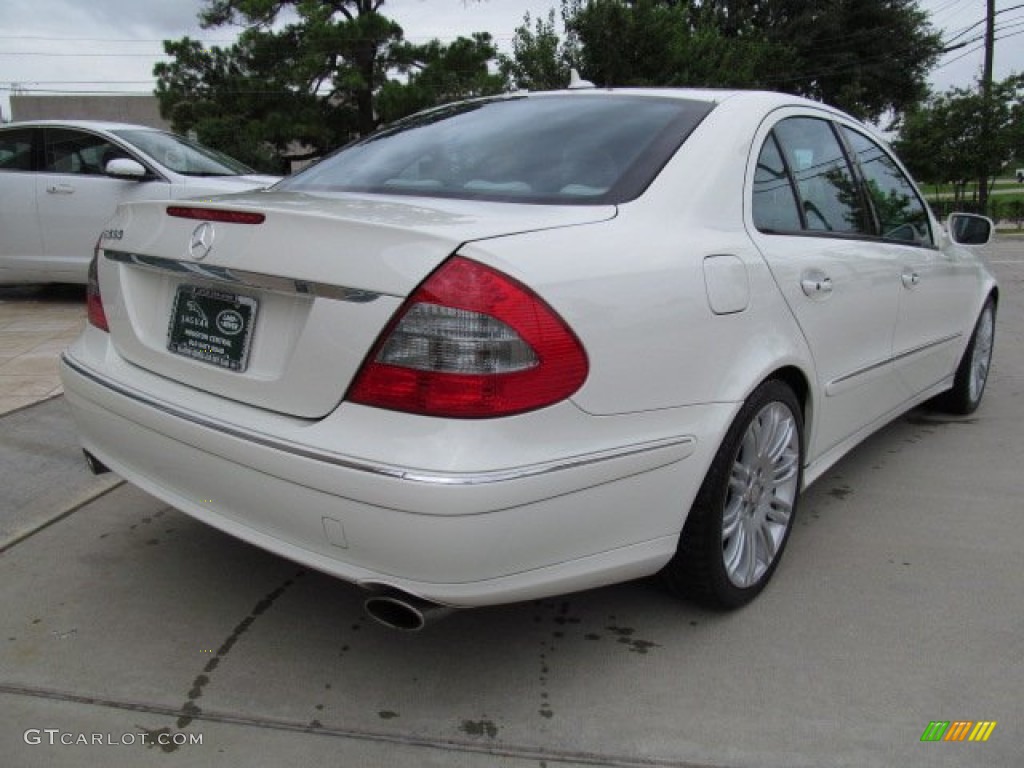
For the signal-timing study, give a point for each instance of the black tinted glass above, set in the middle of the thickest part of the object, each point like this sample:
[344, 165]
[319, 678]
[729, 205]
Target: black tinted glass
[830, 198]
[70, 151]
[16, 149]
[550, 149]
[774, 203]
[900, 211]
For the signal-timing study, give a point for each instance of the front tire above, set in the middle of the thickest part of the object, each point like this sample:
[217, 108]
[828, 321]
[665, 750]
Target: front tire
[972, 373]
[741, 518]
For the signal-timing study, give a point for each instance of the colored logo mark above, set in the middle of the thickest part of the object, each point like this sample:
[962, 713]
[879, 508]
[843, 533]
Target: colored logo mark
[958, 730]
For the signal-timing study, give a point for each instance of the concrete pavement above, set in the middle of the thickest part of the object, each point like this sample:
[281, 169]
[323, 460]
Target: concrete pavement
[36, 323]
[899, 603]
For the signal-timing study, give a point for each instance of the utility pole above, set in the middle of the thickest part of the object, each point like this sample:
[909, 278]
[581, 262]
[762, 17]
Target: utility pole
[986, 105]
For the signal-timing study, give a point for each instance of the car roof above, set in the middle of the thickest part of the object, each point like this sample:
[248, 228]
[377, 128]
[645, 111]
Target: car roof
[765, 99]
[96, 125]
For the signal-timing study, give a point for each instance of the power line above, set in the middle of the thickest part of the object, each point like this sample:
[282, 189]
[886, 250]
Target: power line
[981, 21]
[105, 39]
[87, 55]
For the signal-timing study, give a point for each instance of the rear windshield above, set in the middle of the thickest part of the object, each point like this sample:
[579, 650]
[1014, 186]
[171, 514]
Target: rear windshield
[562, 149]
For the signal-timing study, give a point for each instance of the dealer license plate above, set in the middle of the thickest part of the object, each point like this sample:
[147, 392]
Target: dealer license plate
[212, 326]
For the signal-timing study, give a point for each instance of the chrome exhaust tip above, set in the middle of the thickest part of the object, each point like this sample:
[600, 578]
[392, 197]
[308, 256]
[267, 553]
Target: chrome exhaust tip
[96, 466]
[402, 611]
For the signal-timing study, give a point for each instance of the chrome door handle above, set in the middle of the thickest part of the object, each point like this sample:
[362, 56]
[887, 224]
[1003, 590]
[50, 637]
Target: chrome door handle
[910, 278]
[816, 284]
[60, 189]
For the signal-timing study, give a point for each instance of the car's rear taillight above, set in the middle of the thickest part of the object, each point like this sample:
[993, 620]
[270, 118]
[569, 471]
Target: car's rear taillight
[471, 342]
[93, 300]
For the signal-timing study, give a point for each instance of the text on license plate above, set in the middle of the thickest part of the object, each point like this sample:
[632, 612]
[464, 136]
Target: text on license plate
[212, 326]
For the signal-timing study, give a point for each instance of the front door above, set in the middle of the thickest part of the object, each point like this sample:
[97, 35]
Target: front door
[76, 198]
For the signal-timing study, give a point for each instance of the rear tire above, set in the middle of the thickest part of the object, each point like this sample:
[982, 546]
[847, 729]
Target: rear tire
[740, 521]
[972, 372]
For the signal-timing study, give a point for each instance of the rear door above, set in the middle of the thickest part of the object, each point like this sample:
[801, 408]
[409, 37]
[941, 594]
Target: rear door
[811, 222]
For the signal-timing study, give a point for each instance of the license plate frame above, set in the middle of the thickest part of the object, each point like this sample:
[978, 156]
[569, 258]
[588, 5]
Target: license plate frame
[213, 326]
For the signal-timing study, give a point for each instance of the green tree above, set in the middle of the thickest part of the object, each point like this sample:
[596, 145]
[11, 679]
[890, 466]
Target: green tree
[868, 57]
[943, 141]
[436, 73]
[540, 59]
[311, 74]
[657, 43]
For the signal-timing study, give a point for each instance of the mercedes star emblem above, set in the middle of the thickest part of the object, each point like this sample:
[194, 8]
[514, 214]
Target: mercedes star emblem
[201, 242]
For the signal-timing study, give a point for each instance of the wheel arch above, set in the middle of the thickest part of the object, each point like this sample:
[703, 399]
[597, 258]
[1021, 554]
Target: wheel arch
[797, 380]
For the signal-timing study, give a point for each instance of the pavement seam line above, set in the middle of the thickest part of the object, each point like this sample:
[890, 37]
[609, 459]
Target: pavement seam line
[519, 752]
[89, 497]
[33, 404]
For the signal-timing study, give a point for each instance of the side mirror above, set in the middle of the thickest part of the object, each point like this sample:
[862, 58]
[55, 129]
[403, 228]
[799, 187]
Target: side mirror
[970, 229]
[125, 168]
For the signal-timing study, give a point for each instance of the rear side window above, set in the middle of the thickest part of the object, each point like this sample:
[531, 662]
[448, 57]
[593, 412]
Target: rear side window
[774, 205]
[901, 213]
[16, 149]
[829, 196]
[560, 149]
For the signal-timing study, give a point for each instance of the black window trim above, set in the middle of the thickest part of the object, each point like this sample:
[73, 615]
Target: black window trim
[872, 220]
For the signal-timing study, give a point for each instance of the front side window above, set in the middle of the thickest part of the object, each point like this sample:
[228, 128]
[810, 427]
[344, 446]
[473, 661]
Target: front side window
[579, 149]
[16, 150]
[901, 213]
[181, 155]
[829, 196]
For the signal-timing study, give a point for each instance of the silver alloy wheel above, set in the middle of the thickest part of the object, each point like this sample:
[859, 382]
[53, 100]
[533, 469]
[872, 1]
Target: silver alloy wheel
[981, 357]
[762, 490]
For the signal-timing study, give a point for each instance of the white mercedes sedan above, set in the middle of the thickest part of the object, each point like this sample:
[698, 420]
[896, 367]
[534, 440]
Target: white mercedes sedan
[520, 346]
[60, 180]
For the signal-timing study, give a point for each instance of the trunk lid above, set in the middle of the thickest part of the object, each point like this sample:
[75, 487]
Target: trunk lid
[280, 314]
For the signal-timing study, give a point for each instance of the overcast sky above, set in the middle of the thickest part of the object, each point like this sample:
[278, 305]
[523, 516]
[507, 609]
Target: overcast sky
[60, 46]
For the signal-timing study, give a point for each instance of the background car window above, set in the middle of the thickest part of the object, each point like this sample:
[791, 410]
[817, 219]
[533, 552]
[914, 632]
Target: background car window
[901, 213]
[829, 196]
[67, 151]
[774, 205]
[16, 150]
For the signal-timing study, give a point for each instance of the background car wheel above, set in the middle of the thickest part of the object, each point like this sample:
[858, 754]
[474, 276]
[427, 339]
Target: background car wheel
[741, 519]
[972, 373]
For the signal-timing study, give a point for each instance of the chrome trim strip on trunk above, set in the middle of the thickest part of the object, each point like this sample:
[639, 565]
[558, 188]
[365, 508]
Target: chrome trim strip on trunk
[832, 385]
[688, 442]
[244, 278]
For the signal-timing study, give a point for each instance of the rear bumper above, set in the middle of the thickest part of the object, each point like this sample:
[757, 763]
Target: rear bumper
[486, 533]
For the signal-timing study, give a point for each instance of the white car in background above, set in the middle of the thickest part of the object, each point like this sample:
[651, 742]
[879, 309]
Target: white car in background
[61, 180]
[519, 346]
